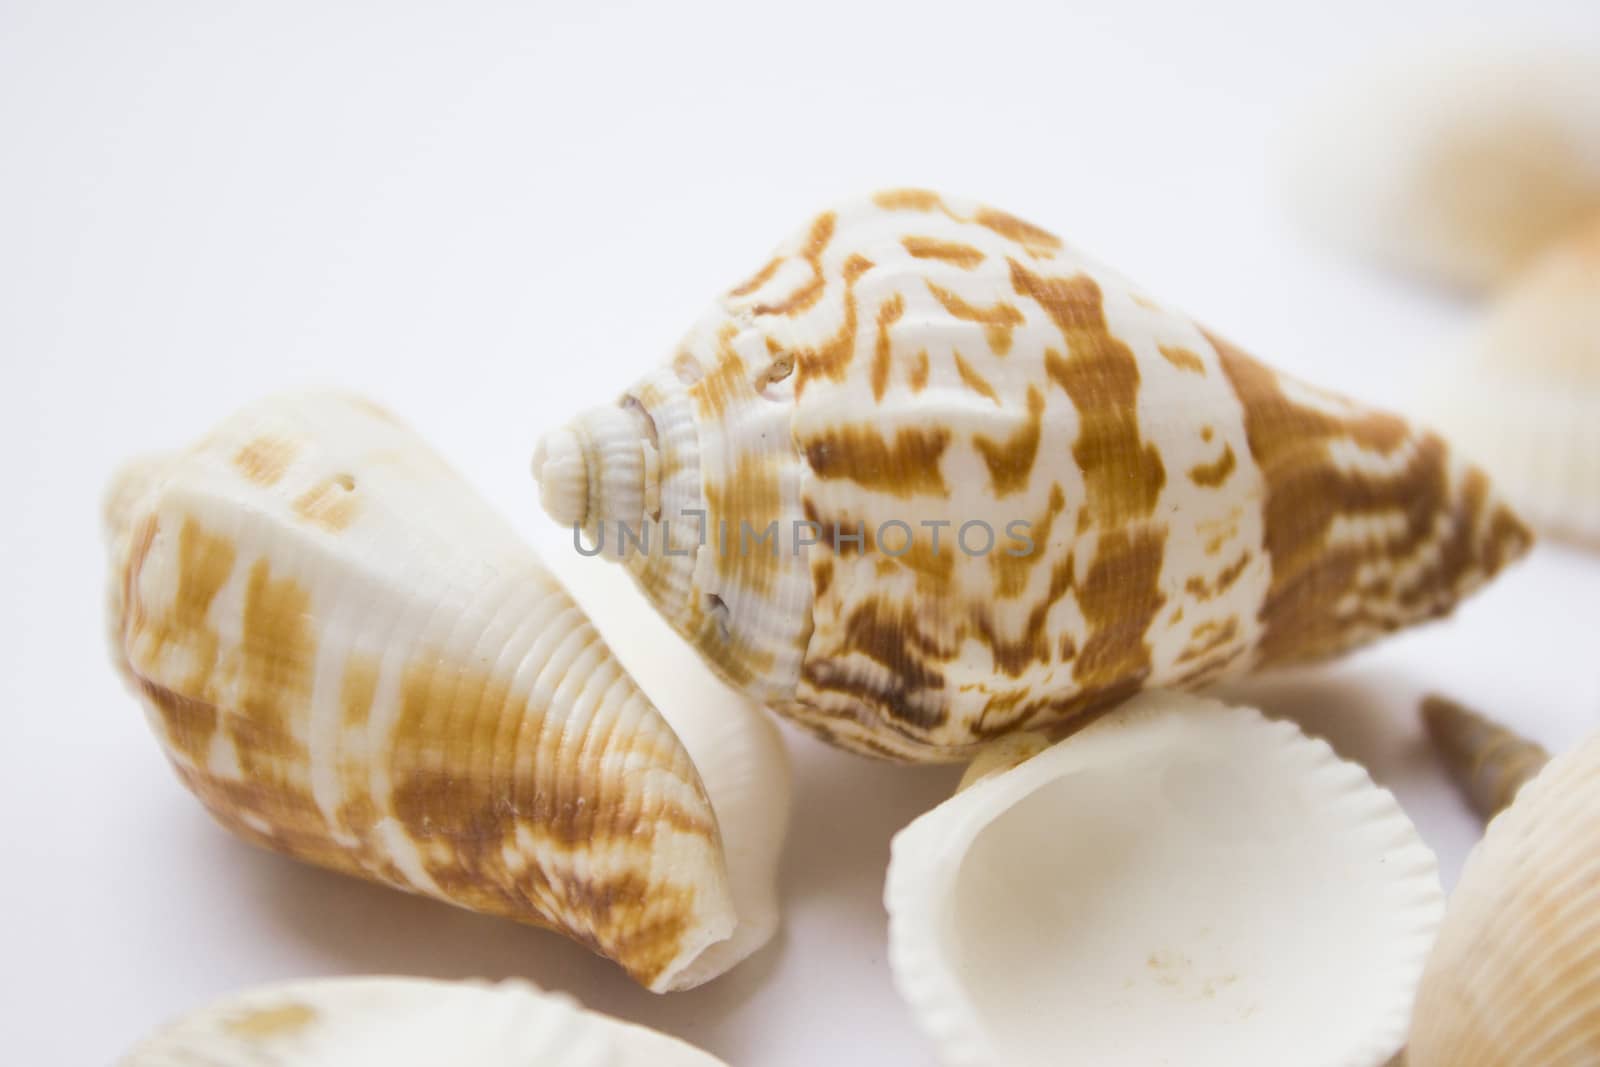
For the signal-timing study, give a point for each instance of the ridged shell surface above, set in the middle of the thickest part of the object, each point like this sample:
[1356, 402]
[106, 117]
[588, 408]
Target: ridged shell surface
[1181, 882]
[930, 476]
[1525, 399]
[406, 1022]
[350, 659]
[1514, 980]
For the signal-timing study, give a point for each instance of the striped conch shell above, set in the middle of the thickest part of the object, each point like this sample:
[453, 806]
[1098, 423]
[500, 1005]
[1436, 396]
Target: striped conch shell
[1524, 400]
[1488, 762]
[350, 659]
[1458, 165]
[1180, 882]
[406, 1022]
[1514, 979]
[931, 476]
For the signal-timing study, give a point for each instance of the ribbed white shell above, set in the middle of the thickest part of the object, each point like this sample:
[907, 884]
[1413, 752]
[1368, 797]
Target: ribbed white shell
[407, 1022]
[1180, 882]
[1514, 980]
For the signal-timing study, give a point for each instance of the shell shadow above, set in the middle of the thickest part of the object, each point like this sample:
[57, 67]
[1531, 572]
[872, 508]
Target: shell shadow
[357, 927]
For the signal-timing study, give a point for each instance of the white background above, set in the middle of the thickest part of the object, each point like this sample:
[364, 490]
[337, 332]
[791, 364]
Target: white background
[489, 217]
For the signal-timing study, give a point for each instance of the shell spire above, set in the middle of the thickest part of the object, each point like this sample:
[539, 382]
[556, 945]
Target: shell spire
[930, 476]
[1488, 762]
[349, 658]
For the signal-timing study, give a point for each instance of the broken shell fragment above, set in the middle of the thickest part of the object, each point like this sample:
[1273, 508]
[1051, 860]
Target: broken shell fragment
[1459, 167]
[1525, 402]
[1179, 882]
[931, 476]
[1514, 980]
[406, 1022]
[350, 659]
[1488, 762]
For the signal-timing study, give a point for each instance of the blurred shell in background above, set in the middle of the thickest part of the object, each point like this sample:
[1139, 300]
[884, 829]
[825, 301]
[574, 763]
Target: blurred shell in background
[1179, 882]
[1525, 402]
[406, 1022]
[1457, 166]
[1514, 980]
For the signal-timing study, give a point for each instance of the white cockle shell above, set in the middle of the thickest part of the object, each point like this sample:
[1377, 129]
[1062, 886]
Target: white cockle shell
[1458, 165]
[1525, 400]
[349, 658]
[1179, 882]
[1514, 979]
[931, 476]
[407, 1022]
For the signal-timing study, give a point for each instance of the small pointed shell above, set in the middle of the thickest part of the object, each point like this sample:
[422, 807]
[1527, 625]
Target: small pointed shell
[350, 659]
[932, 475]
[1525, 401]
[1179, 882]
[1457, 166]
[1514, 980]
[406, 1022]
[1489, 762]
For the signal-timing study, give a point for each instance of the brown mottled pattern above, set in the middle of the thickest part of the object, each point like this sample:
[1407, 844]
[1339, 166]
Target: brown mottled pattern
[889, 313]
[750, 496]
[918, 377]
[804, 298]
[1011, 571]
[331, 503]
[1120, 597]
[272, 670]
[906, 466]
[1208, 637]
[1197, 587]
[1122, 473]
[1010, 462]
[265, 459]
[973, 380]
[1182, 358]
[907, 687]
[952, 252]
[182, 632]
[279, 1020]
[759, 278]
[832, 358]
[1210, 475]
[998, 320]
[1307, 491]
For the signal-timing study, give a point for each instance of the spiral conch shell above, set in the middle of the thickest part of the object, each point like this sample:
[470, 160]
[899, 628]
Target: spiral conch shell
[1514, 979]
[1525, 399]
[931, 476]
[350, 659]
[1179, 882]
[406, 1022]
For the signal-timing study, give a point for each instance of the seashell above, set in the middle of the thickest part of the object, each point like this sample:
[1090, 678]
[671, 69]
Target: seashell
[1458, 167]
[930, 477]
[1514, 980]
[1488, 761]
[406, 1022]
[349, 658]
[1526, 401]
[1179, 882]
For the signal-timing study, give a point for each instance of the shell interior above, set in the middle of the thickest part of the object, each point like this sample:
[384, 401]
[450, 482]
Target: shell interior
[1181, 882]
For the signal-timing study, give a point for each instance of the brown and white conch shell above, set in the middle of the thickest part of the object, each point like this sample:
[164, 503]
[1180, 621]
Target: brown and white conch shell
[1514, 979]
[1458, 165]
[406, 1022]
[931, 476]
[351, 659]
[1525, 399]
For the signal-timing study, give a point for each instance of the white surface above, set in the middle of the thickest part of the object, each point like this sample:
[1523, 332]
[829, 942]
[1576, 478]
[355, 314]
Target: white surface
[490, 217]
